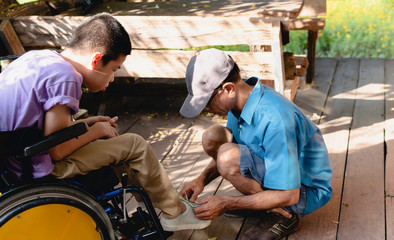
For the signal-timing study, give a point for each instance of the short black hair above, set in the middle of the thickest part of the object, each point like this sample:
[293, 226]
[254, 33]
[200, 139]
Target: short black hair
[234, 74]
[103, 33]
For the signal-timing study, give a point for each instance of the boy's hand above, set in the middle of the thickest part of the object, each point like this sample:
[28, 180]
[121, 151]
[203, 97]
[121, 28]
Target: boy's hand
[106, 128]
[92, 120]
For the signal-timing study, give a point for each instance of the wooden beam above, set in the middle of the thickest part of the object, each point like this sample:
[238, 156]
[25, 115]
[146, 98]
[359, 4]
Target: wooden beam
[291, 89]
[312, 8]
[10, 38]
[290, 65]
[153, 32]
[312, 38]
[301, 65]
[277, 54]
[173, 63]
[307, 24]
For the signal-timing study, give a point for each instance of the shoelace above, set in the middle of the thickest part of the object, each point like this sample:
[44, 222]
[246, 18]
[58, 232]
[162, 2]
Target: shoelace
[192, 204]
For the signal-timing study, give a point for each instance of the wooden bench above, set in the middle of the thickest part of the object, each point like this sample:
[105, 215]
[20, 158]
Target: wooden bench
[311, 18]
[160, 30]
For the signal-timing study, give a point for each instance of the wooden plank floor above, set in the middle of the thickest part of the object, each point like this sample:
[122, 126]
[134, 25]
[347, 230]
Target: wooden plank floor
[352, 101]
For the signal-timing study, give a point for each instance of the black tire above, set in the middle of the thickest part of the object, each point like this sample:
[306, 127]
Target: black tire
[28, 197]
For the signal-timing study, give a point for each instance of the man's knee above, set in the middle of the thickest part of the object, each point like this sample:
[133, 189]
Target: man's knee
[228, 160]
[213, 138]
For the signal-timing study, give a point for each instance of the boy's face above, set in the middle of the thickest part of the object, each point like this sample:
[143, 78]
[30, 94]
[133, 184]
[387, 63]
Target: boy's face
[104, 74]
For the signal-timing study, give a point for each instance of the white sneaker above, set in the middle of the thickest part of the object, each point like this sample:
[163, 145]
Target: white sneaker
[187, 220]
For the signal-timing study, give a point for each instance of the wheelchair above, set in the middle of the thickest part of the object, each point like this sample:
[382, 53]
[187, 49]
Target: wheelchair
[75, 208]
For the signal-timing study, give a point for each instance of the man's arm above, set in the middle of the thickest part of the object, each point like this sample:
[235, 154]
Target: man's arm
[59, 117]
[195, 187]
[214, 206]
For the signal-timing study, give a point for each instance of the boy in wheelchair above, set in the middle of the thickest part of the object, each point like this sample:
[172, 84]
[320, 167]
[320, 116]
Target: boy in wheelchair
[41, 90]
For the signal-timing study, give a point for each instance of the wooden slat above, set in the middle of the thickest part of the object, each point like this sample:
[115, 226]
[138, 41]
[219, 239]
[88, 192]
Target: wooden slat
[10, 38]
[335, 125]
[389, 139]
[150, 32]
[311, 99]
[222, 8]
[186, 161]
[172, 64]
[223, 227]
[362, 214]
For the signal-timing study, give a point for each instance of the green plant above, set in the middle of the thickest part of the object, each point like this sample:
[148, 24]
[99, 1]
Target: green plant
[358, 28]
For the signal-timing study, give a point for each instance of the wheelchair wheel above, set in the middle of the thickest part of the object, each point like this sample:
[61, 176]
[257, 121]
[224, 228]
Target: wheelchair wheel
[52, 211]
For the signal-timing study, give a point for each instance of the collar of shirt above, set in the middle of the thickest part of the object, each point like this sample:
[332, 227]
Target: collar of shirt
[251, 103]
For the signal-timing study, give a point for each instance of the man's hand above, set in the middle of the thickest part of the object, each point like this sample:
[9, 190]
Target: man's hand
[212, 207]
[192, 190]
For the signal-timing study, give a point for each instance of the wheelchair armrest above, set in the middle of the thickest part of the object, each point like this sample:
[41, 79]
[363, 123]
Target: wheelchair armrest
[55, 139]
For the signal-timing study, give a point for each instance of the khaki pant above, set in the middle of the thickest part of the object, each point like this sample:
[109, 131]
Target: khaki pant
[127, 152]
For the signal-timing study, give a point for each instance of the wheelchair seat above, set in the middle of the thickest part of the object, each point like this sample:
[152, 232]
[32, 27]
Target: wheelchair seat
[76, 208]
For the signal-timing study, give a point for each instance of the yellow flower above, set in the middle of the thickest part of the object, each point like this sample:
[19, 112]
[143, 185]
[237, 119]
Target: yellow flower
[379, 50]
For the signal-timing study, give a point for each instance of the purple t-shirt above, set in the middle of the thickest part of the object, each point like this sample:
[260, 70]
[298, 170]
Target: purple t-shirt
[29, 87]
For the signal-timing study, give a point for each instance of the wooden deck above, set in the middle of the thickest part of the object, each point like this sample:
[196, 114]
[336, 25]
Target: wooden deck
[352, 101]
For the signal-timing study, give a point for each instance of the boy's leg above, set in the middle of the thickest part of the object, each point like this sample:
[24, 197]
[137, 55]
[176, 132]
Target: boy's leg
[136, 155]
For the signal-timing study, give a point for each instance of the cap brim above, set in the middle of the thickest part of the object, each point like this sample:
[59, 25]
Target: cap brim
[193, 105]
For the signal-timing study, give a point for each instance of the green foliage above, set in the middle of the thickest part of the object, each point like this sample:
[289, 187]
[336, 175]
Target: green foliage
[25, 1]
[360, 28]
[240, 48]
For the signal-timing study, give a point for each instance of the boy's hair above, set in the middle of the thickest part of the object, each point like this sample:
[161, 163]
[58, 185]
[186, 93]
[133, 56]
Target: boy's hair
[102, 33]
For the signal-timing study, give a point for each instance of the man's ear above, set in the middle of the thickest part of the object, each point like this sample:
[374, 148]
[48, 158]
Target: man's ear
[229, 87]
[95, 59]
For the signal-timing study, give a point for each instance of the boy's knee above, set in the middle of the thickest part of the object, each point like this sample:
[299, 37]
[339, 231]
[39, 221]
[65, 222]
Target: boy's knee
[133, 139]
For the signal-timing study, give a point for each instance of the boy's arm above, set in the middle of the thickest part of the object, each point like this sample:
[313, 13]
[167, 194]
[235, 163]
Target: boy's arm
[59, 117]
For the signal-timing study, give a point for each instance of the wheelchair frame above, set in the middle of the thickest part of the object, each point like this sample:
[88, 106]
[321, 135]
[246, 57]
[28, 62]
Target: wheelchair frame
[141, 225]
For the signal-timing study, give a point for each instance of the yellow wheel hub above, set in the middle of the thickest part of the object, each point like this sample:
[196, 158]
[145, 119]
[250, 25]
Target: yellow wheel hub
[48, 222]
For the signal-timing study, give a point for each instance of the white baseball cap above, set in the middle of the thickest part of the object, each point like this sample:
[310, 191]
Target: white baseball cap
[205, 72]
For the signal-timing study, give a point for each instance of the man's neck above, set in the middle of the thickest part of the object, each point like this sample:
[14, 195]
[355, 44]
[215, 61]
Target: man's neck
[244, 91]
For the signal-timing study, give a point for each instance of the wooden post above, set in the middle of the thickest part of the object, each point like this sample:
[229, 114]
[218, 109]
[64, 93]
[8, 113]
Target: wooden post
[10, 38]
[312, 37]
[277, 53]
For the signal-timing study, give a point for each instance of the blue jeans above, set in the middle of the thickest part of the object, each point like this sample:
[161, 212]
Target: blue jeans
[252, 166]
